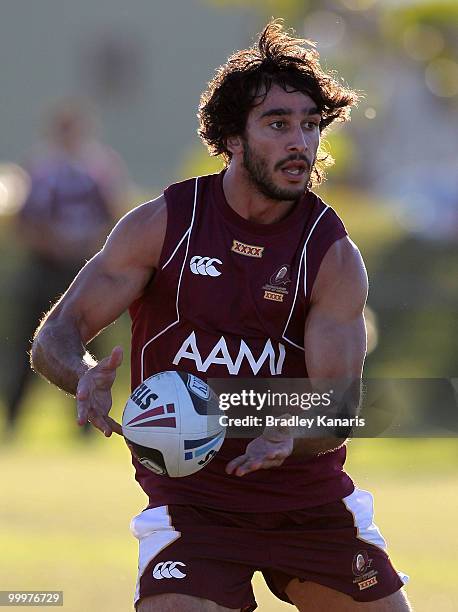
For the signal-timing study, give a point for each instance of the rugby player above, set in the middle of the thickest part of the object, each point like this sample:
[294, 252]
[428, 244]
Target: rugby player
[243, 273]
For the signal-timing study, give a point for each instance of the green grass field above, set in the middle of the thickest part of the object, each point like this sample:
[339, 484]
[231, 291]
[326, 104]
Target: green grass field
[66, 505]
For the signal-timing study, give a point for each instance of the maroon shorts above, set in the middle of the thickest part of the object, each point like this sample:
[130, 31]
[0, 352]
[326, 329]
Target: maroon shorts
[213, 554]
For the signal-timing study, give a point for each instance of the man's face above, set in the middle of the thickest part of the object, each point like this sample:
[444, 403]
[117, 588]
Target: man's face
[280, 144]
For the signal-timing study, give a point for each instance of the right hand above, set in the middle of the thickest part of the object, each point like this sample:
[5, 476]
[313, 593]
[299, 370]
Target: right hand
[93, 394]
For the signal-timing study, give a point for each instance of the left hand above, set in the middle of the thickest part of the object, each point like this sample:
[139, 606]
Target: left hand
[93, 395]
[267, 451]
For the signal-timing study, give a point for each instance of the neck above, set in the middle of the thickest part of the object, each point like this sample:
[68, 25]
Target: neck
[248, 202]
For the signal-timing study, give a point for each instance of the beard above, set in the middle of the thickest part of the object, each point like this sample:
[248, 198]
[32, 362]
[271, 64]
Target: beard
[260, 177]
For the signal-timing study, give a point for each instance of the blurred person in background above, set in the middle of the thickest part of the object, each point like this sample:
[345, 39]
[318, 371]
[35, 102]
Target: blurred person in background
[76, 188]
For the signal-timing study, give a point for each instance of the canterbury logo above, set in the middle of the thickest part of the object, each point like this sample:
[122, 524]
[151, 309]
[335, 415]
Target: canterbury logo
[204, 265]
[246, 249]
[168, 569]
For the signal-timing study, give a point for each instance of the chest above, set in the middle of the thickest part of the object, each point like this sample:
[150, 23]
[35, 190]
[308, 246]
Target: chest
[239, 283]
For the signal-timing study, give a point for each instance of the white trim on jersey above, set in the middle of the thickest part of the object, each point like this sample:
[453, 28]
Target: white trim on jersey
[154, 531]
[303, 259]
[176, 249]
[189, 230]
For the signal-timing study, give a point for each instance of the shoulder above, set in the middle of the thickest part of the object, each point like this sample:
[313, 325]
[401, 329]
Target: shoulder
[342, 276]
[323, 224]
[183, 192]
[142, 233]
[323, 229]
[179, 199]
[323, 217]
[139, 235]
[182, 201]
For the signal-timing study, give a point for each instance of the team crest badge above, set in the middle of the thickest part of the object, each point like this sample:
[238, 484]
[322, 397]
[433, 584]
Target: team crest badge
[276, 288]
[281, 277]
[365, 577]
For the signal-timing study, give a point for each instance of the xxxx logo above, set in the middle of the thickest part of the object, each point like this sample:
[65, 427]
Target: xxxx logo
[273, 296]
[247, 249]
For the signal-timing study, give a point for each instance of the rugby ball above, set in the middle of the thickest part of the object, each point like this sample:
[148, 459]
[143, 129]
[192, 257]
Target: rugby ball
[171, 424]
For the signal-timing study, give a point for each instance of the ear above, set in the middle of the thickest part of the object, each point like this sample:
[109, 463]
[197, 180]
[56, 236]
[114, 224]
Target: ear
[234, 144]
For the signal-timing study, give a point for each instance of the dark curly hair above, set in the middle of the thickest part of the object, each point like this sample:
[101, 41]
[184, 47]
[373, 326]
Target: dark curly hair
[246, 78]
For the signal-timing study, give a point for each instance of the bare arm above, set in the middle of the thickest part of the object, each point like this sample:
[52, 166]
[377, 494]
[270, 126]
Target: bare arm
[103, 289]
[335, 347]
[335, 331]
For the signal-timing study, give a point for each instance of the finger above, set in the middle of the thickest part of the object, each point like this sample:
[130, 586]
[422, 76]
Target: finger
[277, 454]
[248, 466]
[116, 357]
[82, 409]
[113, 361]
[232, 465]
[82, 403]
[98, 421]
[110, 426]
[114, 425]
[258, 465]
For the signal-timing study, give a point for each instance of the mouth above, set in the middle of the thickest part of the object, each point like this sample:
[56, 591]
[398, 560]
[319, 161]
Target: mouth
[294, 170]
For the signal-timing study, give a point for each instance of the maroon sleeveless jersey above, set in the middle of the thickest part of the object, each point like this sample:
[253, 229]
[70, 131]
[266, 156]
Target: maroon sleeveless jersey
[230, 298]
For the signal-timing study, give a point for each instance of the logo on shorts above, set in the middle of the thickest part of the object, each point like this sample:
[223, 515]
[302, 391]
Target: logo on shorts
[361, 567]
[361, 563]
[365, 584]
[168, 569]
[247, 249]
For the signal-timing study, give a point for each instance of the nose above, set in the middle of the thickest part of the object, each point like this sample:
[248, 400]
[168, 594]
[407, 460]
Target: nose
[298, 142]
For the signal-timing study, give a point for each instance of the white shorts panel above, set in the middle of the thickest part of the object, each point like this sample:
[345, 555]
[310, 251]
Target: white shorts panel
[361, 504]
[154, 532]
